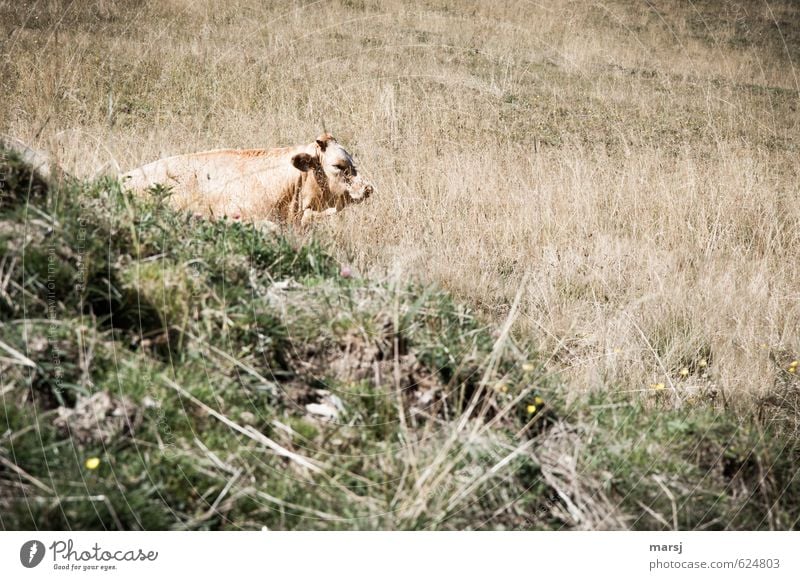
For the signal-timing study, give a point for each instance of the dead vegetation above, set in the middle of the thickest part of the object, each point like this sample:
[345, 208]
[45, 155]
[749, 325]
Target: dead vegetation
[627, 172]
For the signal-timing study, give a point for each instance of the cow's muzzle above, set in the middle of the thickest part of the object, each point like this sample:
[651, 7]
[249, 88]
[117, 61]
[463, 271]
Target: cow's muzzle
[361, 194]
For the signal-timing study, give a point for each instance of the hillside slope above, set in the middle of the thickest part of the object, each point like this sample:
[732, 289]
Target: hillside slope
[163, 372]
[637, 163]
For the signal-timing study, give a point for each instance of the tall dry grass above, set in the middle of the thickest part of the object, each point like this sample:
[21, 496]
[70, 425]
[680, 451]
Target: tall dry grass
[639, 161]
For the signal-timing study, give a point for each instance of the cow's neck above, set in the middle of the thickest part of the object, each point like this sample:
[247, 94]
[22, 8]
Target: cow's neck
[313, 192]
[322, 183]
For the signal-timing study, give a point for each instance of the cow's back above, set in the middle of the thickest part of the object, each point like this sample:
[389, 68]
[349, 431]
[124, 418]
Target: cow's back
[250, 183]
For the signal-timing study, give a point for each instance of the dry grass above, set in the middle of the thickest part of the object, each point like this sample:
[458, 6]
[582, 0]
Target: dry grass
[638, 160]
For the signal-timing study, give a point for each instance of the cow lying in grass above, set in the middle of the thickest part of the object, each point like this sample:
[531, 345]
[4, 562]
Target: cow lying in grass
[287, 185]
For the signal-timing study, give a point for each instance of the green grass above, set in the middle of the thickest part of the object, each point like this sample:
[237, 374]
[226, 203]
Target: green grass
[182, 353]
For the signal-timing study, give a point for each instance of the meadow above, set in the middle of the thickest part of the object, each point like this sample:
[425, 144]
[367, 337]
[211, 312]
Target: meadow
[611, 186]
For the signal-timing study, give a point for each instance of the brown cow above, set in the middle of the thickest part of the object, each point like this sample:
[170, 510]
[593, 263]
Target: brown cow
[288, 185]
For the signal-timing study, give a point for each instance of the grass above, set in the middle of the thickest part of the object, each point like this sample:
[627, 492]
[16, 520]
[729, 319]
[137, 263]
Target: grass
[638, 162]
[162, 372]
[626, 173]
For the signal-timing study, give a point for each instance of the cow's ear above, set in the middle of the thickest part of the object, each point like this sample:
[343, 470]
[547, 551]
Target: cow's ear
[323, 140]
[303, 161]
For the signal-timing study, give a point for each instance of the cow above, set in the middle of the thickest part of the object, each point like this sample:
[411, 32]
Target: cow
[290, 185]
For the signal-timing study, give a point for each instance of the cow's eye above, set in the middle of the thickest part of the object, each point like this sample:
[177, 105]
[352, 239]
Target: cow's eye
[341, 167]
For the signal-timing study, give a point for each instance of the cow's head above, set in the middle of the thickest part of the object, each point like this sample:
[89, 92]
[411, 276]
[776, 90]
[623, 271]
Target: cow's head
[334, 170]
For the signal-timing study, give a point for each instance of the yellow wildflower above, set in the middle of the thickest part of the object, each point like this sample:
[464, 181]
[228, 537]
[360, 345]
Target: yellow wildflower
[92, 463]
[703, 363]
[538, 400]
[657, 386]
[684, 372]
[528, 367]
[531, 409]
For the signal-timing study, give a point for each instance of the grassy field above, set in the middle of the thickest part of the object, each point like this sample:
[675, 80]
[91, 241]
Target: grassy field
[604, 194]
